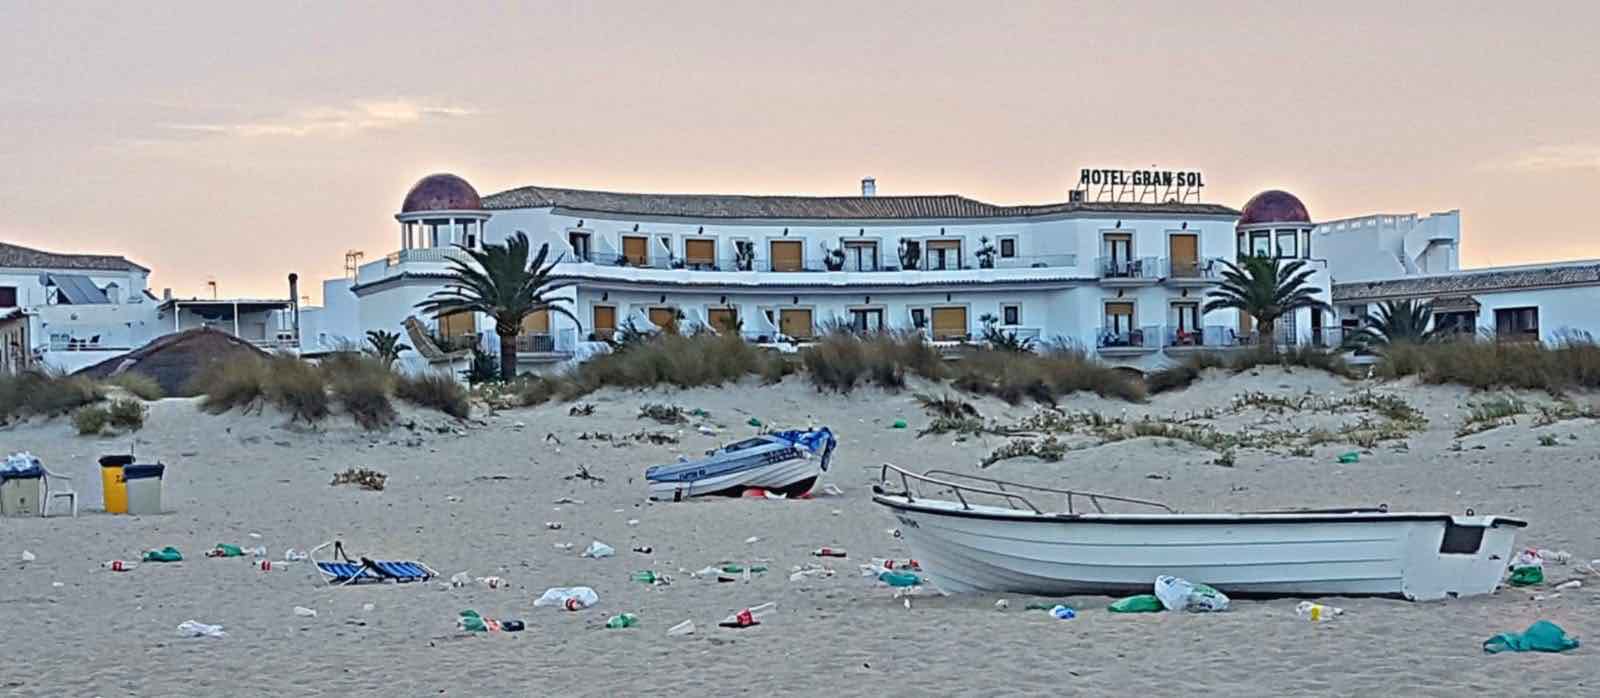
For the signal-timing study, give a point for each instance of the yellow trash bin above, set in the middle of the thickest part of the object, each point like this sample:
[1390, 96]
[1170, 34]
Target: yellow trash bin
[113, 484]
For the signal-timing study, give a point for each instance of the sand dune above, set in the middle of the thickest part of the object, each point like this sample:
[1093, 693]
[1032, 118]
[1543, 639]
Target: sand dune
[478, 500]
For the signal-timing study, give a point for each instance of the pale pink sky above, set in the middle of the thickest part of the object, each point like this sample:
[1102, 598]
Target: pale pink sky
[239, 143]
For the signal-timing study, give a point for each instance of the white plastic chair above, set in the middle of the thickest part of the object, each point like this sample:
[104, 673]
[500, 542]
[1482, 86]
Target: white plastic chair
[52, 493]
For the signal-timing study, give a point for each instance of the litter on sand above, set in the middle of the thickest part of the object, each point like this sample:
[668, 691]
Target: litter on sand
[599, 550]
[569, 598]
[167, 554]
[194, 628]
[1542, 636]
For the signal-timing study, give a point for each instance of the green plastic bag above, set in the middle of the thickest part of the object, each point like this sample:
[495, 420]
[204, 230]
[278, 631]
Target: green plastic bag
[167, 554]
[471, 622]
[1349, 457]
[896, 578]
[1143, 603]
[1542, 636]
[226, 550]
[622, 620]
[1526, 575]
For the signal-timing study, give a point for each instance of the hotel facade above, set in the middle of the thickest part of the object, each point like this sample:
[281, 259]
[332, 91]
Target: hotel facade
[1122, 278]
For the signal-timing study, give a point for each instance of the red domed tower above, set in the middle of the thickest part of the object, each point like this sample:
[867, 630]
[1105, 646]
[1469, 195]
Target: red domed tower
[1274, 223]
[441, 210]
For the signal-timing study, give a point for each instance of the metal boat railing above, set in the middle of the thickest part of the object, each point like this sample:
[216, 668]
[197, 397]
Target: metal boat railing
[997, 488]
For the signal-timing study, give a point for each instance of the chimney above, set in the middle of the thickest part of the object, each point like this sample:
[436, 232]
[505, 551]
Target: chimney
[1075, 196]
[869, 187]
[294, 302]
[166, 294]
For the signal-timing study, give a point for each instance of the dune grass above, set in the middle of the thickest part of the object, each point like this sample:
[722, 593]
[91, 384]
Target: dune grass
[1571, 364]
[139, 385]
[437, 391]
[45, 394]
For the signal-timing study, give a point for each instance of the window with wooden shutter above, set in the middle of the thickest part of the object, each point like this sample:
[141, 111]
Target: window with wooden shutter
[787, 255]
[1184, 253]
[604, 319]
[636, 249]
[664, 318]
[456, 325]
[700, 252]
[537, 322]
[1119, 317]
[796, 323]
[723, 319]
[949, 323]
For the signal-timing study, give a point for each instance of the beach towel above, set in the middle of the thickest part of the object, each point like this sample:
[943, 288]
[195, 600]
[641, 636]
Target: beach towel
[1542, 636]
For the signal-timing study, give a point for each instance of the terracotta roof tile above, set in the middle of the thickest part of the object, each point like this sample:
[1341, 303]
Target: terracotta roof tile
[17, 256]
[813, 207]
[1470, 281]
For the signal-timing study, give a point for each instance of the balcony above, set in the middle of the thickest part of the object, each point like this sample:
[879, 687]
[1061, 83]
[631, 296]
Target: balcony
[1208, 338]
[817, 265]
[1143, 271]
[1194, 272]
[547, 345]
[1114, 342]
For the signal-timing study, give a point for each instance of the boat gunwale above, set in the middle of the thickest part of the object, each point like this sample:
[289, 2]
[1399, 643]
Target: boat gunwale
[898, 501]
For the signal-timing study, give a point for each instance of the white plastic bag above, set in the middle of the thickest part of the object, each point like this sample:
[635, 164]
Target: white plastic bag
[598, 550]
[1173, 592]
[194, 628]
[1178, 594]
[570, 598]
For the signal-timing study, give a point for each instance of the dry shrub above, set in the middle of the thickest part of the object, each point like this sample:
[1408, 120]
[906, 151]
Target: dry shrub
[127, 415]
[139, 385]
[1043, 377]
[1186, 372]
[842, 360]
[684, 361]
[361, 386]
[297, 387]
[366, 478]
[45, 393]
[91, 420]
[1572, 363]
[231, 383]
[437, 391]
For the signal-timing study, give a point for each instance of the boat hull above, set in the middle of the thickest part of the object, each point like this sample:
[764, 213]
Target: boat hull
[784, 476]
[994, 549]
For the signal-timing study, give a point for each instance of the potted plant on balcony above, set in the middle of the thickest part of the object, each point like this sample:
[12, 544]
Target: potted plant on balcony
[744, 255]
[833, 258]
[910, 254]
[985, 254]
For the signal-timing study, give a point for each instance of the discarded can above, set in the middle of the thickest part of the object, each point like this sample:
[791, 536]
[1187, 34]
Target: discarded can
[644, 550]
[264, 565]
[829, 552]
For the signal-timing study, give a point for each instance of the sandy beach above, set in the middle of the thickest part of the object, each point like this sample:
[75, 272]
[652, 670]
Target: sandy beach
[475, 497]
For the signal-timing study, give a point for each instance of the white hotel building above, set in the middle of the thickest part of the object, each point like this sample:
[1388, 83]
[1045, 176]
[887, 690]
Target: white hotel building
[1124, 280]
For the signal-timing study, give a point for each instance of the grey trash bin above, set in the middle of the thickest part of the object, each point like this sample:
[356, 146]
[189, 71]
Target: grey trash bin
[20, 494]
[144, 488]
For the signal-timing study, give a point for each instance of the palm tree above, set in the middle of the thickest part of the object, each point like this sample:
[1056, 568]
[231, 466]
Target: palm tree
[1266, 290]
[385, 346]
[1397, 322]
[500, 282]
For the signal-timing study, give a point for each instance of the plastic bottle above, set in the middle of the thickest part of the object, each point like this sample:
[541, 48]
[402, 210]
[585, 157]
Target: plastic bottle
[1063, 613]
[1560, 557]
[829, 552]
[749, 616]
[258, 551]
[304, 612]
[646, 576]
[118, 565]
[643, 549]
[264, 565]
[1316, 612]
[622, 620]
[570, 598]
[681, 629]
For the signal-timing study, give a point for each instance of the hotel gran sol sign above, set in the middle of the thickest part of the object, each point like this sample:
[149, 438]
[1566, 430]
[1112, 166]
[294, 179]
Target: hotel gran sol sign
[1153, 186]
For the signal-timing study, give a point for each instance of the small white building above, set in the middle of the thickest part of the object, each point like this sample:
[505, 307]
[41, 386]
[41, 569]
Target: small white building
[68, 311]
[1539, 302]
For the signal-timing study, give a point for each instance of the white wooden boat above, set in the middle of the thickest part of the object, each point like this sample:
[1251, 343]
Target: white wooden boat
[1012, 545]
[787, 462]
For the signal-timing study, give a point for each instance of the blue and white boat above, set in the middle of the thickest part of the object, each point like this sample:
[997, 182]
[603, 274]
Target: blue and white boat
[786, 462]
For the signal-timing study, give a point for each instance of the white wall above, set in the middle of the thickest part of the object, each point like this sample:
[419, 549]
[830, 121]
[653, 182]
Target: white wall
[1386, 246]
[1560, 309]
